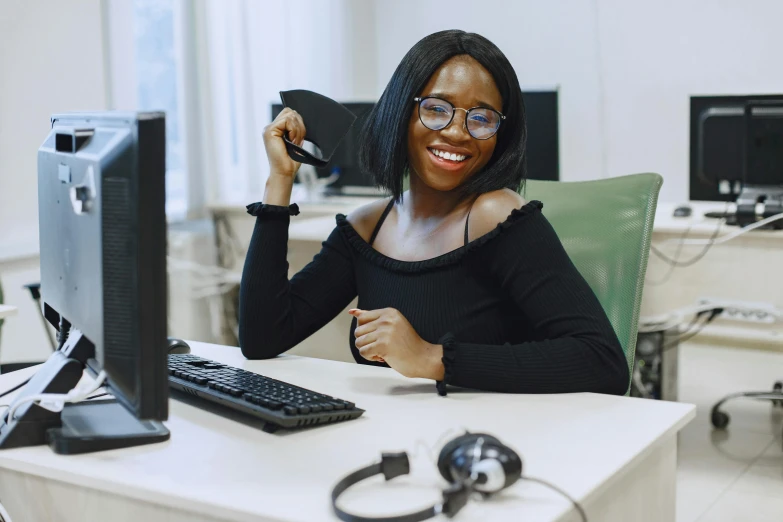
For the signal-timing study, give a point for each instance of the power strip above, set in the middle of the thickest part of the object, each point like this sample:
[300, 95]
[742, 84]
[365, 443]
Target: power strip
[745, 311]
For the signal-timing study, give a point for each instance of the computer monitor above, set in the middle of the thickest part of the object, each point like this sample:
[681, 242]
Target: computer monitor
[102, 227]
[735, 141]
[543, 154]
[543, 136]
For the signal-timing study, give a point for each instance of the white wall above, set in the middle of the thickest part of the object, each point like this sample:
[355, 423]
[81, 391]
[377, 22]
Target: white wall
[658, 54]
[50, 61]
[625, 69]
[548, 43]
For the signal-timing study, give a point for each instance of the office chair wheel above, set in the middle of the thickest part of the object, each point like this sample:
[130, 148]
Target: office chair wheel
[720, 419]
[778, 387]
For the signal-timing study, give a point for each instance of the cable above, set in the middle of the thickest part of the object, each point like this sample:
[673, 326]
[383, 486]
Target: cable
[4, 516]
[665, 322]
[709, 243]
[672, 266]
[558, 490]
[56, 401]
[62, 335]
[734, 234]
[12, 390]
[91, 397]
[636, 378]
[688, 334]
[683, 241]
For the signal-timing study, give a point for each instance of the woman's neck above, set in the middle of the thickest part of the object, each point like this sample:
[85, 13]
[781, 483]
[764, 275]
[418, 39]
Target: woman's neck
[423, 203]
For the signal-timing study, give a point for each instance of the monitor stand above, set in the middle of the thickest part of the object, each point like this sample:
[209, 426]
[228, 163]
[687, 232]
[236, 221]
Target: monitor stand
[80, 428]
[751, 195]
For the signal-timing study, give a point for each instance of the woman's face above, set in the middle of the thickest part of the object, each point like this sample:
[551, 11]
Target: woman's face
[465, 83]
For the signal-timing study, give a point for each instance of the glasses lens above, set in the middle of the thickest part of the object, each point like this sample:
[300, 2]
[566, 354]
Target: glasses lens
[483, 123]
[434, 113]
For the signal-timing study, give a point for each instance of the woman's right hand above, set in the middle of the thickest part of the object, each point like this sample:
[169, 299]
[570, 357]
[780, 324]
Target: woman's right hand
[280, 163]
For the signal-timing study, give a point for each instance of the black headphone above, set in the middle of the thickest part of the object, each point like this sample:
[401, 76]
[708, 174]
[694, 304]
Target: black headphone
[473, 462]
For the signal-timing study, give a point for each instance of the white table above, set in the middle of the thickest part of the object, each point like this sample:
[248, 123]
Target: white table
[7, 310]
[616, 455]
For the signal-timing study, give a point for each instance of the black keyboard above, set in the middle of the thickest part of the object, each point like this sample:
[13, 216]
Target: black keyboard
[279, 404]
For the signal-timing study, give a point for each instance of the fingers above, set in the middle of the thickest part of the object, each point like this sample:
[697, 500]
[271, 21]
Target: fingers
[371, 352]
[366, 339]
[295, 127]
[365, 328]
[366, 316]
[289, 121]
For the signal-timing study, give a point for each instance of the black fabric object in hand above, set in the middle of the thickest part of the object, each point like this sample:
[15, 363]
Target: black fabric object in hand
[510, 308]
[326, 123]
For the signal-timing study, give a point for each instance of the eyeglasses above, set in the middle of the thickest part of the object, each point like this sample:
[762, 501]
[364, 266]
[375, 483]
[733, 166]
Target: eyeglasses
[437, 114]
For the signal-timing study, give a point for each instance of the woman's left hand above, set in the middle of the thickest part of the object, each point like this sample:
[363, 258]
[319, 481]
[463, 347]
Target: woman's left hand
[386, 335]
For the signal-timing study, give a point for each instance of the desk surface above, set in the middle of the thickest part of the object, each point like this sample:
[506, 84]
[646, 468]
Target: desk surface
[229, 469]
[6, 310]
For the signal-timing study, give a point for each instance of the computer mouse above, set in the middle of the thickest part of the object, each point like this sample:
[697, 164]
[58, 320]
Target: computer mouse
[178, 346]
[683, 211]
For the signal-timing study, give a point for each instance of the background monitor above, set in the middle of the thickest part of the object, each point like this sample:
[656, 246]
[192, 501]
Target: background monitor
[102, 222]
[721, 160]
[543, 135]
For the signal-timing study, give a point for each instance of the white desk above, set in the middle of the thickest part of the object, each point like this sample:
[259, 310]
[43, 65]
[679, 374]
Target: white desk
[6, 311]
[616, 455]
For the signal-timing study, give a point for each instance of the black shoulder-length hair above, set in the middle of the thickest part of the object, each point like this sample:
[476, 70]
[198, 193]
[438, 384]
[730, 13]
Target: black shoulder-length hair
[383, 150]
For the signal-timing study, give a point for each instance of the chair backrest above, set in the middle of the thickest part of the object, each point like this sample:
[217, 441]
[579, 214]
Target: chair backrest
[605, 226]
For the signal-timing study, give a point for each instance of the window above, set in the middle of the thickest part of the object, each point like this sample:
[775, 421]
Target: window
[158, 88]
[145, 74]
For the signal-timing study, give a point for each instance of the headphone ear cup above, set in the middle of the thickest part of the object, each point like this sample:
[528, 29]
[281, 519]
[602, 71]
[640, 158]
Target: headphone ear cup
[446, 456]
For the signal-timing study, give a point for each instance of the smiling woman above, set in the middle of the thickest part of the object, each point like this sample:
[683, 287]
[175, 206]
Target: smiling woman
[450, 73]
[459, 280]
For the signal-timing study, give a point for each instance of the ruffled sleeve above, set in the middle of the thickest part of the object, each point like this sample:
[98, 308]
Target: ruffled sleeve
[262, 209]
[449, 343]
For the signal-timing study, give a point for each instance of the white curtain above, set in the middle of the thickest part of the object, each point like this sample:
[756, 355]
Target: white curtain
[250, 50]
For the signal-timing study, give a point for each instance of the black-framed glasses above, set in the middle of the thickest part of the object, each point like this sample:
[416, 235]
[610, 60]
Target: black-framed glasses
[437, 114]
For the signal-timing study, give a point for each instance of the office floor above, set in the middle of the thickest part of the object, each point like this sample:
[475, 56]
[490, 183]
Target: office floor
[736, 475]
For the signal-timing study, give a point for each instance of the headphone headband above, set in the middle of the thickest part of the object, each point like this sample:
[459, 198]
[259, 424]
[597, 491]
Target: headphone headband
[455, 497]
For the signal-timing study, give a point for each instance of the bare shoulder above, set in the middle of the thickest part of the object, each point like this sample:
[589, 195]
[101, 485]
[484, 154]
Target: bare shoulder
[491, 209]
[364, 218]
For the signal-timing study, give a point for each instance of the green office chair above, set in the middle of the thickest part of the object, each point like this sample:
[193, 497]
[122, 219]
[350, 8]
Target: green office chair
[606, 226]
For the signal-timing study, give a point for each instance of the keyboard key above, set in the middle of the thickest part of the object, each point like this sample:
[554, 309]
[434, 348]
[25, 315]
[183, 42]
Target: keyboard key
[304, 409]
[275, 405]
[327, 406]
[289, 410]
[315, 408]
